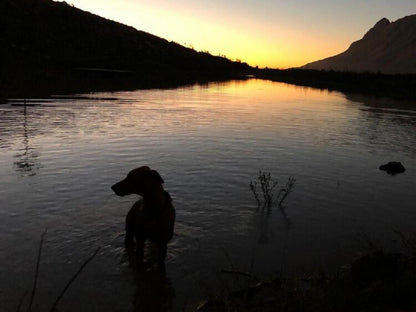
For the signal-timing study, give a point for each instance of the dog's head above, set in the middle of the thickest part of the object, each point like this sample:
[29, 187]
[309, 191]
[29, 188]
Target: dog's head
[139, 181]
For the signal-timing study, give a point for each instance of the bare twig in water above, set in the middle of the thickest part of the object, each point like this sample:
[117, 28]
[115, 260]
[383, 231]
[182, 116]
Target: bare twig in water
[267, 187]
[21, 302]
[366, 238]
[286, 217]
[73, 279]
[236, 272]
[32, 296]
[285, 191]
[253, 187]
[227, 255]
[407, 242]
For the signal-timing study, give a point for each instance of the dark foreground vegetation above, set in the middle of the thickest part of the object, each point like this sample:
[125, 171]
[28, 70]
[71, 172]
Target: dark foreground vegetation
[378, 281]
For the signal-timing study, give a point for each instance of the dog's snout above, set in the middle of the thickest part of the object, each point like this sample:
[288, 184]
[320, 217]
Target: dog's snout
[119, 189]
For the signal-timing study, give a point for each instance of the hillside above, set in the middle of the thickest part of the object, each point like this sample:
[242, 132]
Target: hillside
[46, 41]
[388, 47]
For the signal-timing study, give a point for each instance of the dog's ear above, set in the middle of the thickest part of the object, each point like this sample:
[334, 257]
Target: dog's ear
[154, 175]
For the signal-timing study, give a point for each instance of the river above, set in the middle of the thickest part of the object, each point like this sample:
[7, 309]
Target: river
[59, 157]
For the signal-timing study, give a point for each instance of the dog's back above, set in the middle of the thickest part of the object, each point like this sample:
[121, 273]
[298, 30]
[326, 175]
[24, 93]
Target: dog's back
[154, 225]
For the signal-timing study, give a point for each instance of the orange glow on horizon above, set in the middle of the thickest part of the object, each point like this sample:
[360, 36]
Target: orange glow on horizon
[261, 33]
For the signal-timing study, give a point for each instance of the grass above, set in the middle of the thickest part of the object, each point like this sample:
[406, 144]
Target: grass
[35, 282]
[377, 281]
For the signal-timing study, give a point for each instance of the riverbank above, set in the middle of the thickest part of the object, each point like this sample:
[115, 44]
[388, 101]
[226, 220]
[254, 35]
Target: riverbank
[377, 281]
[85, 80]
[33, 84]
[374, 84]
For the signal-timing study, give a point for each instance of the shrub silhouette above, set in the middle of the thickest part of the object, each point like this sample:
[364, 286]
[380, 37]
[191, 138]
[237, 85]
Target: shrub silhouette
[266, 197]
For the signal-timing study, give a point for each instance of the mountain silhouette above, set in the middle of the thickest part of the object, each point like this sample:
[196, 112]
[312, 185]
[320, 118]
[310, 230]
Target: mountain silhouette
[54, 42]
[388, 47]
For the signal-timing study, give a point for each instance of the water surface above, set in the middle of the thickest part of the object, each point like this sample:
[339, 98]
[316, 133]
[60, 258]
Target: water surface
[59, 157]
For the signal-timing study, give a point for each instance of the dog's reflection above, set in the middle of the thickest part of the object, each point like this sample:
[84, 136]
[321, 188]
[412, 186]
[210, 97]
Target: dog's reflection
[154, 291]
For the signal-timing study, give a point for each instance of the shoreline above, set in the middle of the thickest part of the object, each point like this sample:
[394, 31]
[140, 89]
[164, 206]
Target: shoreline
[376, 281]
[87, 80]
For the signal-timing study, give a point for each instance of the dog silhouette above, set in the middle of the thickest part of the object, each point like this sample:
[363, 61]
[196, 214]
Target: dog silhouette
[152, 217]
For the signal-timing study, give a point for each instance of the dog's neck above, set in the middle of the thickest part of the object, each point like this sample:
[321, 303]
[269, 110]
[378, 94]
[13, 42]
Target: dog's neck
[156, 198]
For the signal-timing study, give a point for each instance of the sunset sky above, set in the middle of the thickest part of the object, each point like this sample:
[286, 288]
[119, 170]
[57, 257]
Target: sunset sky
[273, 33]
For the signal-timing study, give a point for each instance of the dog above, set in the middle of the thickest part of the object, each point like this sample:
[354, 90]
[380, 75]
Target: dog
[152, 217]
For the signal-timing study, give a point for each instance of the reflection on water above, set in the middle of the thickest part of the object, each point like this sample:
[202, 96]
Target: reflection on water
[58, 159]
[154, 292]
[27, 157]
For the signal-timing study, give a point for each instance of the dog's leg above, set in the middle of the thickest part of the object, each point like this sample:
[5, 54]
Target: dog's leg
[162, 256]
[139, 251]
[130, 228]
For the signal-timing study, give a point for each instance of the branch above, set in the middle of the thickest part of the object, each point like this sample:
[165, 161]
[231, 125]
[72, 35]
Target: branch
[236, 272]
[73, 279]
[32, 296]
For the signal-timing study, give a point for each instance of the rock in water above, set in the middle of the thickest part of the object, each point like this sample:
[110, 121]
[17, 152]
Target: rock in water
[393, 167]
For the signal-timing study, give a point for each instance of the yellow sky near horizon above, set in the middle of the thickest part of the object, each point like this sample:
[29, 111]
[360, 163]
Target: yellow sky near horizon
[263, 33]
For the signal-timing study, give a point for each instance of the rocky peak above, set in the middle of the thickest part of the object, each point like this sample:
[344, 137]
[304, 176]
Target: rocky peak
[379, 27]
[388, 47]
